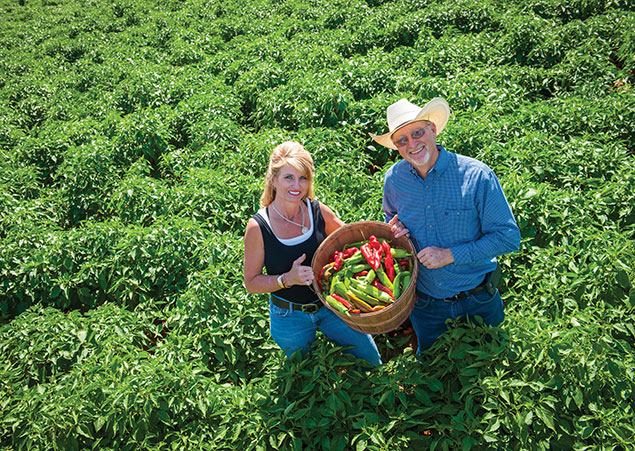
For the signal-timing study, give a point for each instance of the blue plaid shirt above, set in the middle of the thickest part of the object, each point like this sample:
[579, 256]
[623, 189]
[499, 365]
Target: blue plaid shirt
[460, 205]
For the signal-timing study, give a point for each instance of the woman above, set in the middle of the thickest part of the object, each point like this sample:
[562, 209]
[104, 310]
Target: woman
[283, 235]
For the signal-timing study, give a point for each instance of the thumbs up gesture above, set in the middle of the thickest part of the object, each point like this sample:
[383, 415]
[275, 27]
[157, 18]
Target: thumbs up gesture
[299, 274]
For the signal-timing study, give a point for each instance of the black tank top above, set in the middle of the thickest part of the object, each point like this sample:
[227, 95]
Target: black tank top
[279, 257]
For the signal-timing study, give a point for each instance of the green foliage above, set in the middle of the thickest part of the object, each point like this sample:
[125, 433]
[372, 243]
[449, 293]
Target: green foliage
[85, 179]
[134, 137]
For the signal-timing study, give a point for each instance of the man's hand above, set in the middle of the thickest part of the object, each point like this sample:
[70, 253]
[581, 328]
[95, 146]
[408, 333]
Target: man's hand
[397, 227]
[435, 257]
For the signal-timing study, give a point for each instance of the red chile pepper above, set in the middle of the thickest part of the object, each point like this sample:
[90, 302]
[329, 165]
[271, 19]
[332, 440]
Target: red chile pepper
[349, 252]
[388, 262]
[374, 243]
[379, 254]
[369, 254]
[339, 261]
[341, 300]
[379, 286]
[351, 308]
[360, 274]
[405, 264]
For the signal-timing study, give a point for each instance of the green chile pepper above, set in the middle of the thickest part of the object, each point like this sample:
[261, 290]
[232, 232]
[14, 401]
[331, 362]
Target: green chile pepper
[358, 244]
[359, 268]
[372, 291]
[339, 288]
[356, 258]
[370, 300]
[337, 305]
[383, 278]
[399, 253]
[405, 281]
[399, 287]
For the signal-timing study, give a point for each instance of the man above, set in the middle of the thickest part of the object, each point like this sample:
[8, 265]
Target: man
[456, 214]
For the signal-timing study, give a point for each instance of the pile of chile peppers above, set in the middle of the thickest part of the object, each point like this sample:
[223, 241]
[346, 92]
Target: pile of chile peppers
[365, 277]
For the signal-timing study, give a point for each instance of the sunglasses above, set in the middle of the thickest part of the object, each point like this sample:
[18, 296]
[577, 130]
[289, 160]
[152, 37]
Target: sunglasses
[418, 133]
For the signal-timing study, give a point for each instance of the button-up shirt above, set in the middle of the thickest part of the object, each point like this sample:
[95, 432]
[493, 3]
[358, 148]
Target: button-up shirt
[459, 205]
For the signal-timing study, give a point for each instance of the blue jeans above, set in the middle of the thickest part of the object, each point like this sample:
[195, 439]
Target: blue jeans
[430, 314]
[293, 330]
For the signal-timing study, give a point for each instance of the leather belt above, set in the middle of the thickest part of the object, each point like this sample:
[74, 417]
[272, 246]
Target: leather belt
[304, 308]
[464, 294]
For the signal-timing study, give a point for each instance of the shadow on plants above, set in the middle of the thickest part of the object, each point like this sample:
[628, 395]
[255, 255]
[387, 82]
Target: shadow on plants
[317, 399]
[467, 351]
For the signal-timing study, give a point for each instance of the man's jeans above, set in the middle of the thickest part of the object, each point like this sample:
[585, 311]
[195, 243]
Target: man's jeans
[430, 314]
[297, 330]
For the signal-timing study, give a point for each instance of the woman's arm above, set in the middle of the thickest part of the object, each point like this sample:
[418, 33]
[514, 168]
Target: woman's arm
[254, 261]
[331, 221]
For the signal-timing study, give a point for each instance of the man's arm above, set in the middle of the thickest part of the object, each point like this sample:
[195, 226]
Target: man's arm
[388, 204]
[500, 233]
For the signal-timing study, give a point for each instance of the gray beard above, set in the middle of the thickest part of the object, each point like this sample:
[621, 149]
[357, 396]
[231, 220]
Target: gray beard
[425, 160]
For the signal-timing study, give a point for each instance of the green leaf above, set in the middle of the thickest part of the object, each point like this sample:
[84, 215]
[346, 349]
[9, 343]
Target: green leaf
[546, 417]
[529, 418]
[467, 443]
[55, 291]
[530, 192]
[489, 438]
[434, 385]
[102, 281]
[623, 280]
[384, 396]
[587, 432]
[84, 430]
[288, 409]
[164, 417]
[99, 423]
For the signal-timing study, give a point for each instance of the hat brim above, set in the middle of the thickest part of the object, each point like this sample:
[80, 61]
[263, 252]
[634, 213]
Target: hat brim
[436, 110]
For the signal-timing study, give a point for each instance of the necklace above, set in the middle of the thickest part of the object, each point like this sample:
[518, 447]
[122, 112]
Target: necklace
[305, 229]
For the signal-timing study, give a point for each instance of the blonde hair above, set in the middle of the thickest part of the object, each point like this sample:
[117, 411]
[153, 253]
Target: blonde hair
[288, 153]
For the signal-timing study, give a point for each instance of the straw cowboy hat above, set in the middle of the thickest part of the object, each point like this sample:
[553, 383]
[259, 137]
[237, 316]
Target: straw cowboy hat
[402, 113]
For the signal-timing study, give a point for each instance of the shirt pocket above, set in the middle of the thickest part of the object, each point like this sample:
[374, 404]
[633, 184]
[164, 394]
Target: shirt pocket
[459, 226]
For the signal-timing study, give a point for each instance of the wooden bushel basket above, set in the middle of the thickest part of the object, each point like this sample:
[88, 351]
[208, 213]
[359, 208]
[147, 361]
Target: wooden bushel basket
[395, 314]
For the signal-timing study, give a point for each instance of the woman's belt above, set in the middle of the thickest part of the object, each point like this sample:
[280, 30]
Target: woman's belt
[304, 308]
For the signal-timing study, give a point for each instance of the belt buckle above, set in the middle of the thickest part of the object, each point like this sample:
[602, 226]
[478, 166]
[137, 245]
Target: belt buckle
[310, 308]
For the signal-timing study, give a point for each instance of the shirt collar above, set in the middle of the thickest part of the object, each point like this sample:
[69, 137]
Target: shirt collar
[442, 162]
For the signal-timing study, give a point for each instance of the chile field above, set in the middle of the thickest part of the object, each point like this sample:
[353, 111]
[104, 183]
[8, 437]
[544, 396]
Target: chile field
[134, 137]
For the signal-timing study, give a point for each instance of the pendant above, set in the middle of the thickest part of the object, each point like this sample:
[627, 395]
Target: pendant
[305, 229]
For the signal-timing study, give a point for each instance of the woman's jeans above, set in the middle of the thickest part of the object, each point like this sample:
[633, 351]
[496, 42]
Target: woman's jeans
[430, 314]
[293, 330]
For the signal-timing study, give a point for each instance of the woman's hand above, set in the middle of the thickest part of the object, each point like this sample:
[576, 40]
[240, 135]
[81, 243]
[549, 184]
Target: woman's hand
[299, 274]
[397, 227]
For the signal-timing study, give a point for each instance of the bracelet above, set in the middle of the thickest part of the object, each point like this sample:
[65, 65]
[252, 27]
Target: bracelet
[281, 281]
